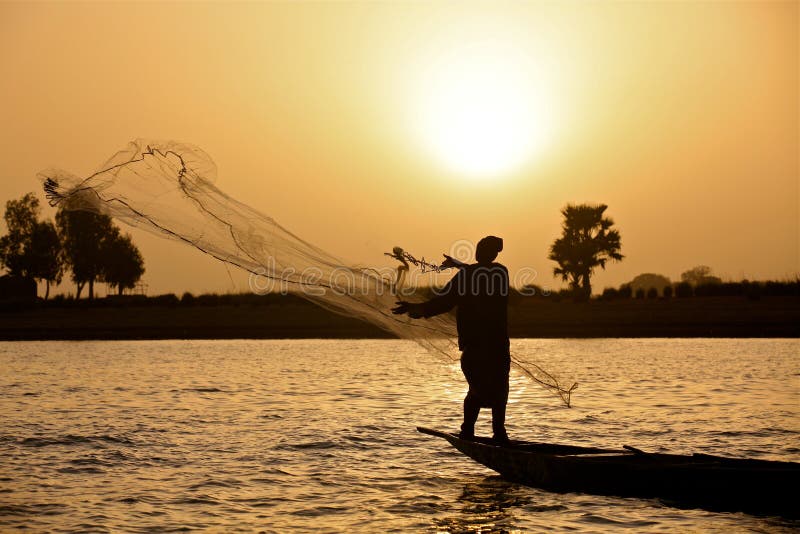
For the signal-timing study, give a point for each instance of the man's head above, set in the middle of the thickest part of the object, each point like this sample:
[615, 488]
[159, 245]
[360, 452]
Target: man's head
[488, 248]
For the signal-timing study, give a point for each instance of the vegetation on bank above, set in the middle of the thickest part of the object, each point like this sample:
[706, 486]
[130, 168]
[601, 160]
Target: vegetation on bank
[92, 249]
[748, 290]
[289, 316]
[699, 282]
[87, 245]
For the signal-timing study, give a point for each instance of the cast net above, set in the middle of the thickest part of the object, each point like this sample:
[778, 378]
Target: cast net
[167, 187]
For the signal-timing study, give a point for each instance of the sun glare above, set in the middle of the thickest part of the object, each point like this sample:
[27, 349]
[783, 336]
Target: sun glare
[483, 114]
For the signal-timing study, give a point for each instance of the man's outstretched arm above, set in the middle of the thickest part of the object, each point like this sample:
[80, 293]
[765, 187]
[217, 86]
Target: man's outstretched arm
[441, 303]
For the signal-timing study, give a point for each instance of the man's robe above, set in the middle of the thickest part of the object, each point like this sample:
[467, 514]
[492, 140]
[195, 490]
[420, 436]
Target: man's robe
[479, 292]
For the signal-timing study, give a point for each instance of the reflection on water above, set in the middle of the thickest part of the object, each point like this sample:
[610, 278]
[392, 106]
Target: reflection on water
[487, 506]
[319, 435]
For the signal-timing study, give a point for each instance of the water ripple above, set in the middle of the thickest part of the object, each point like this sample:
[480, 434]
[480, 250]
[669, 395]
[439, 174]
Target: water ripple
[314, 435]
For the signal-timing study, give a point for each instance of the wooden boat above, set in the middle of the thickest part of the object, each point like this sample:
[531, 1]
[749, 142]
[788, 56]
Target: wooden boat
[700, 480]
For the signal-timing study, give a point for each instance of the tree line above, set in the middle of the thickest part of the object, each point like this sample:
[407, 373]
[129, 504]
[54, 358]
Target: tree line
[86, 244]
[589, 241]
[93, 249]
[698, 282]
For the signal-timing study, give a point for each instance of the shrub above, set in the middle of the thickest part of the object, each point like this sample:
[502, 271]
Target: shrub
[731, 289]
[652, 293]
[683, 290]
[647, 280]
[707, 289]
[752, 290]
[776, 288]
[609, 293]
[206, 299]
[625, 291]
[170, 299]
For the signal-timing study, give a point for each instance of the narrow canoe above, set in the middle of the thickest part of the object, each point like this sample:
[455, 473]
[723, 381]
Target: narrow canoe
[712, 482]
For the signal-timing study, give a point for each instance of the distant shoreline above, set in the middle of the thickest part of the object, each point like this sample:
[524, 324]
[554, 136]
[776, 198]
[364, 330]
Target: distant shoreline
[293, 318]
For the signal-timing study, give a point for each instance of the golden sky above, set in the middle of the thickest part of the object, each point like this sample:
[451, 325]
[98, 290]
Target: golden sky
[360, 126]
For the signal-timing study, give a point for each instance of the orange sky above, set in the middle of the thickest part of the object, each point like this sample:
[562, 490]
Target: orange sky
[682, 117]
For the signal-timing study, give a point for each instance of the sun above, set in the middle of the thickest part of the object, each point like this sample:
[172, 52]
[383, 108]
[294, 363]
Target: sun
[482, 113]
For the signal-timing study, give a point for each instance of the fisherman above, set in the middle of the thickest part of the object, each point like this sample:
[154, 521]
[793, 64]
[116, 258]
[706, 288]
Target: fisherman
[479, 292]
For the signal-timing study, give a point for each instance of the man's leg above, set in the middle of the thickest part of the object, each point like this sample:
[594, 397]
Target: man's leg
[499, 406]
[499, 422]
[471, 410]
[472, 406]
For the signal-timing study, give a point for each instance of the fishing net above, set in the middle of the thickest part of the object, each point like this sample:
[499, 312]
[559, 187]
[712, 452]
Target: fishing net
[167, 187]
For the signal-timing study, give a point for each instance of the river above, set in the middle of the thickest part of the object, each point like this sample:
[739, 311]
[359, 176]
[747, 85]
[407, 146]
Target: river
[319, 435]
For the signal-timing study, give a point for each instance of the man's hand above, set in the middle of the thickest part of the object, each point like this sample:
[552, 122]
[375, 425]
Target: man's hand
[413, 310]
[450, 262]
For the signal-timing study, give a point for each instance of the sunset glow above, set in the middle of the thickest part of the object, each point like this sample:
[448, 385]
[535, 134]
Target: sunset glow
[421, 124]
[482, 115]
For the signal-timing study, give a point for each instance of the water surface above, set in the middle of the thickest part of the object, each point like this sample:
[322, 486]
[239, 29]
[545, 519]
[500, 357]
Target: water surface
[316, 435]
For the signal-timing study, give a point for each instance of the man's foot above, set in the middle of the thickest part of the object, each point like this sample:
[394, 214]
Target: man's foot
[466, 434]
[501, 439]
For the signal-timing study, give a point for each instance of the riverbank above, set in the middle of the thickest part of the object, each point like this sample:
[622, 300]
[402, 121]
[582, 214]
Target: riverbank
[289, 317]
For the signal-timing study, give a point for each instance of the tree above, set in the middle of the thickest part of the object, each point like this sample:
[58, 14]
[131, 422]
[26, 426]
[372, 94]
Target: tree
[32, 248]
[124, 265]
[587, 242]
[84, 235]
[700, 275]
[47, 255]
[20, 216]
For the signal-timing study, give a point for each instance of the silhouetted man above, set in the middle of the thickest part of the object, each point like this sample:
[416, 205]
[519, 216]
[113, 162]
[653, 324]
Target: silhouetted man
[480, 294]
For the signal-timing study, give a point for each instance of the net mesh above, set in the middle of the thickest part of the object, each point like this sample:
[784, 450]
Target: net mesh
[167, 187]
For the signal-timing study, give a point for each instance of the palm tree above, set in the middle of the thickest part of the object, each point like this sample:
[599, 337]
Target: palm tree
[587, 241]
